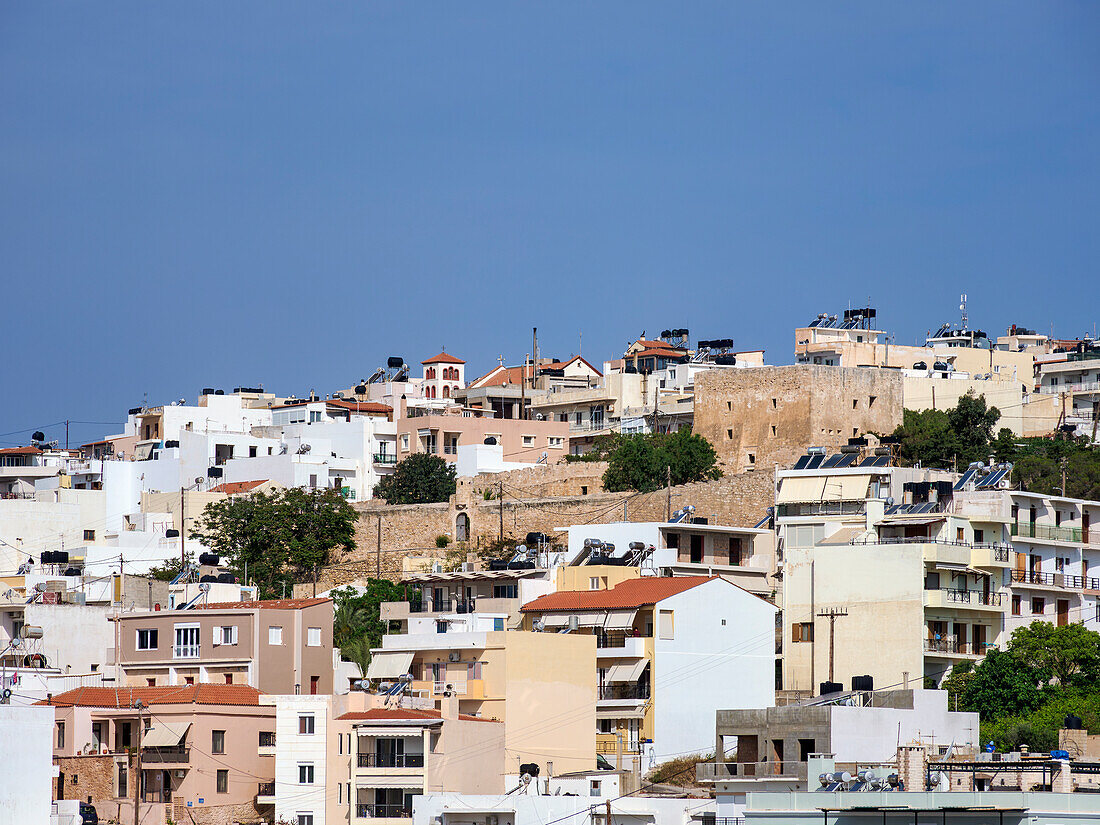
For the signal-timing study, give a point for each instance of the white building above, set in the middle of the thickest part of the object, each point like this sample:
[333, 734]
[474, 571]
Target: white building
[26, 751]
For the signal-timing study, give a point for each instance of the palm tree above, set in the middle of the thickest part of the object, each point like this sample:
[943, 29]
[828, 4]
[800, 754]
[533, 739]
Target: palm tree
[348, 622]
[357, 650]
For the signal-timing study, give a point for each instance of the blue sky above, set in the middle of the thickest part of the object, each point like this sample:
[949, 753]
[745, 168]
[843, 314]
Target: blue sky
[213, 194]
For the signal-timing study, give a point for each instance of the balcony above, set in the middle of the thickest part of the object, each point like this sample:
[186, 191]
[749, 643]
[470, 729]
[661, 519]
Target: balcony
[158, 756]
[606, 744]
[622, 692]
[722, 771]
[267, 744]
[385, 458]
[622, 647]
[989, 555]
[949, 597]
[1050, 532]
[1058, 581]
[391, 760]
[265, 794]
[950, 646]
[369, 811]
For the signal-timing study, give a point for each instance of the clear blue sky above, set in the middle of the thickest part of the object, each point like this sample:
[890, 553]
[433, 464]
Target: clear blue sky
[223, 194]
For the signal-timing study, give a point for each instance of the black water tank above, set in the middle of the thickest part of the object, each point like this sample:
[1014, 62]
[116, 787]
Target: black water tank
[171, 443]
[214, 472]
[1073, 722]
[395, 362]
[227, 578]
[211, 559]
[831, 687]
[498, 564]
[207, 391]
[71, 571]
[863, 683]
[171, 533]
[208, 578]
[725, 359]
[38, 435]
[529, 768]
[133, 411]
[360, 389]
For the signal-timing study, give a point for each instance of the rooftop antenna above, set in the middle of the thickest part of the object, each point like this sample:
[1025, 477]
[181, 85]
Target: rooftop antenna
[962, 309]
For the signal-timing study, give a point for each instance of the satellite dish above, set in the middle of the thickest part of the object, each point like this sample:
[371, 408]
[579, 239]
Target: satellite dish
[200, 480]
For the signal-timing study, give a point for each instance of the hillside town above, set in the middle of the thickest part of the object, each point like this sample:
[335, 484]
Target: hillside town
[688, 583]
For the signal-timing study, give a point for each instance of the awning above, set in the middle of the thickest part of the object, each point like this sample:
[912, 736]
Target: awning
[626, 673]
[902, 521]
[164, 735]
[143, 451]
[554, 619]
[842, 536]
[800, 489]
[621, 713]
[846, 488]
[407, 730]
[620, 621]
[389, 665]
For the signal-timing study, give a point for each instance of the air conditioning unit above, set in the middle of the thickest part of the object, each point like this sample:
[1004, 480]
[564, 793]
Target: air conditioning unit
[454, 656]
[467, 567]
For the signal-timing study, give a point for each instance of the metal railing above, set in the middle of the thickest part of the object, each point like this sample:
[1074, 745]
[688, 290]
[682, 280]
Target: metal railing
[718, 771]
[266, 789]
[267, 739]
[391, 760]
[1000, 551]
[612, 747]
[952, 645]
[611, 640]
[955, 596]
[454, 685]
[166, 754]
[373, 811]
[1050, 532]
[623, 691]
[450, 449]
[1055, 580]
[385, 458]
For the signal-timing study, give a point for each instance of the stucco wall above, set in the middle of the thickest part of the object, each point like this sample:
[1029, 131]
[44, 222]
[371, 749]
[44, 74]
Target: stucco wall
[25, 752]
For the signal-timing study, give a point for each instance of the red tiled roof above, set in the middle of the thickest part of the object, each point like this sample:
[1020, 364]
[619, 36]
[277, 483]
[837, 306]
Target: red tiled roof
[632, 593]
[202, 694]
[657, 344]
[444, 358]
[401, 714]
[268, 604]
[662, 353]
[21, 451]
[360, 406]
[498, 376]
[236, 487]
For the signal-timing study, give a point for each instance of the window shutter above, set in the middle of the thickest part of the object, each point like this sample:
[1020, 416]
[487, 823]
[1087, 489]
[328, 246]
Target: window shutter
[233, 634]
[217, 636]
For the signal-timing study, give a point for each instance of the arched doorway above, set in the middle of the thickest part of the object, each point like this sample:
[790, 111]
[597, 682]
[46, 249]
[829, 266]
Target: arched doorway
[462, 527]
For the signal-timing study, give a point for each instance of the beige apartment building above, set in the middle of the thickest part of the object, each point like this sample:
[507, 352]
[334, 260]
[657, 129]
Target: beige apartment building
[277, 646]
[198, 746]
[541, 685]
[362, 757]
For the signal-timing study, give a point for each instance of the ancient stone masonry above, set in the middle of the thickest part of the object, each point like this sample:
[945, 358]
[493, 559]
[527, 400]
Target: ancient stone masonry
[411, 530]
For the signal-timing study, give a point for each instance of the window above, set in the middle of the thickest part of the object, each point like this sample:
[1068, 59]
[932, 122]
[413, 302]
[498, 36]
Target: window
[229, 678]
[223, 781]
[304, 819]
[305, 724]
[217, 741]
[122, 786]
[61, 725]
[1017, 608]
[187, 642]
[251, 452]
[584, 490]
[440, 626]
[1038, 606]
[314, 416]
[89, 535]
[667, 625]
[147, 639]
[225, 635]
[505, 591]
[960, 534]
[979, 536]
[151, 682]
[189, 680]
[305, 773]
[593, 787]
[528, 441]
[404, 442]
[802, 632]
[556, 441]
[498, 623]
[313, 637]
[274, 635]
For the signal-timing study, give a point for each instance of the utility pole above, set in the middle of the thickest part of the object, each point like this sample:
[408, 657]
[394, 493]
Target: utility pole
[183, 529]
[66, 433]
[137, 762]
[1095, 415]
[607, 811]
[668, 487]
[315, 580]
[832, 614]
[500, 507]
[1063, 463]
[378, 551]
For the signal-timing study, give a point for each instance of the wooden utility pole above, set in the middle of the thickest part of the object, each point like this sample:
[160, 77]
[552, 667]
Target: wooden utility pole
[832, 614]
[183, 531]
[137, 762]
[500, 507]
[378, 550]
[1095, 415]
[315, 580]
[607, 812]
[668, 487]
[1063, 463]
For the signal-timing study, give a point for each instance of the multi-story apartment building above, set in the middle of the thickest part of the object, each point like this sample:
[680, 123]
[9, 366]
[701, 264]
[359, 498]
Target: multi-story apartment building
[198, 746]
[361, 758]
[278, 646]
[742, 555]
[669, 651]
[541, 685]
[441, 432]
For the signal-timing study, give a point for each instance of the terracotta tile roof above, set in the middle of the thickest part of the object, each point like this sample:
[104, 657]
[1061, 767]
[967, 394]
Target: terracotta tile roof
[236, 487]
[662, 353]
[630, 594]
[444, 358]
[658, 345]
[498, 376]
[402, 714]
[21, 451]
[267, 604]
[202, 694]
[360, 406]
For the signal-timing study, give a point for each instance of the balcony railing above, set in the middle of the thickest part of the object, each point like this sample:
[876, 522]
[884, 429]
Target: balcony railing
[954, 596]
[718, 771]
[266, 789]
[1055, 580]
[444, 606]
[604, 746]
[166, 754]
[1049, 532]
[952, 645]
[267, 739]
[385, 458]
[623, 691]
[372, 811]
[391, 760]
[450, 449]
[185, 652]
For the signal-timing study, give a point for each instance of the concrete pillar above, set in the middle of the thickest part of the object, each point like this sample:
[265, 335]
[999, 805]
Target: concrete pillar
[1062, 779]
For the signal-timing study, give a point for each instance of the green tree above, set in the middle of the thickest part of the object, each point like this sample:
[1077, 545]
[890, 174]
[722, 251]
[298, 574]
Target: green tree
[421, 478]
[280, 536]
[956, 684]
[942, 438]
[972, 422]
[644, 462]
[358, 611]
[170, 569]
[1002, 685]
[1060, 653]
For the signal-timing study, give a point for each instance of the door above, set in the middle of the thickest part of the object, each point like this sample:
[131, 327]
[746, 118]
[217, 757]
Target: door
[696, 549]
[313, 683]
[1063, 612]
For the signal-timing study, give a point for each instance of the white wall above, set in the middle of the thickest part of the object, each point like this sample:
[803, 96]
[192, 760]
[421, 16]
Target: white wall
[293, 748]
[460, 809]
[26, 752]
[722, 656]
[872, 734]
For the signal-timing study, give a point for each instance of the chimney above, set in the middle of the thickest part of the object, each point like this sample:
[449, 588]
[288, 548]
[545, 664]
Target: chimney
[448, 706]
[402, 407]
[1061, 780]
[876, 511]
[913, 767]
